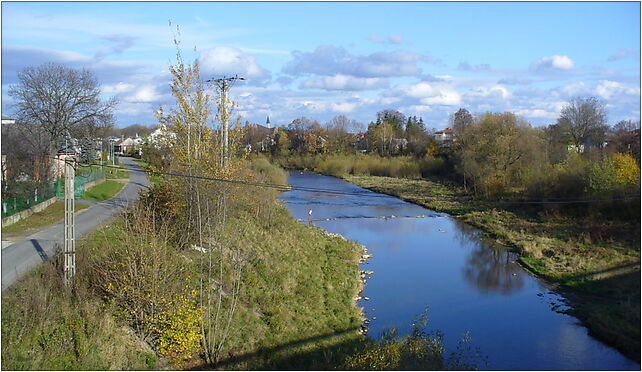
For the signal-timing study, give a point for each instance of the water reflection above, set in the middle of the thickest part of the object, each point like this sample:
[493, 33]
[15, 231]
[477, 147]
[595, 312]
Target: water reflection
[469, 284]
[489, 268]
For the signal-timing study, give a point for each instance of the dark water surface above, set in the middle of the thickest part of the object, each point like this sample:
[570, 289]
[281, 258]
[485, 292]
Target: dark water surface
[467, 283]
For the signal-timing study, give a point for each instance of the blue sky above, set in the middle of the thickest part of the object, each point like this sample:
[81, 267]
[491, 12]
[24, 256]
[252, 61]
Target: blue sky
[353, 58]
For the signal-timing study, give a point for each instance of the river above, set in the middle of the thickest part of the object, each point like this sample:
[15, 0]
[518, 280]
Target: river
[467, 283]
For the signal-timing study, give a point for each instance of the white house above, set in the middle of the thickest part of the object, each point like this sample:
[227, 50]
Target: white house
[444, 137]
[161, 137]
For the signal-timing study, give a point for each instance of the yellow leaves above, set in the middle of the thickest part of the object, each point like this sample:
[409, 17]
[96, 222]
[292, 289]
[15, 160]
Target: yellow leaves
[626, 169]
[179, 329]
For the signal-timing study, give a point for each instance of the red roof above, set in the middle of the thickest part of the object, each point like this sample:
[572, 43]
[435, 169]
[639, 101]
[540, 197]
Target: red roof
[445, 131]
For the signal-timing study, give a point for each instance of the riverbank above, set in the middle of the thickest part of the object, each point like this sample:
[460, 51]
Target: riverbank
[293, 302]
[597, 262]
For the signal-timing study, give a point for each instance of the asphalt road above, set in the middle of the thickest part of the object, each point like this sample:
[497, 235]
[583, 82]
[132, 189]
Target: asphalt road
[26, 254]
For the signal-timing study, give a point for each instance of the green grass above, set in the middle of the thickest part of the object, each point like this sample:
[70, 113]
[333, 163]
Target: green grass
[103, 191]
[49, 216]
[45, 326]
[113, 173]
[153, 179]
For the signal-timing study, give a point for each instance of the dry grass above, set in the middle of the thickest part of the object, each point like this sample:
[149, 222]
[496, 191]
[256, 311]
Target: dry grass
[581, 252]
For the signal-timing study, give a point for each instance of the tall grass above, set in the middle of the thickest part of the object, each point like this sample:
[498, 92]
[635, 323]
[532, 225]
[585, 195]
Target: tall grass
[367, 165]
[46, 326]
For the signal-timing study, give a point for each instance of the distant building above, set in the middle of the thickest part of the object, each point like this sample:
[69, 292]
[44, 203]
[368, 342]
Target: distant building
[68, 148]
[7, 120]
[161, 136]
[399, 144]
[445, 137]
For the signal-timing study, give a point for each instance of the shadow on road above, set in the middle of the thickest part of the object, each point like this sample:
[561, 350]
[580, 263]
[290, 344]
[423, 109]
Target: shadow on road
[41, 252]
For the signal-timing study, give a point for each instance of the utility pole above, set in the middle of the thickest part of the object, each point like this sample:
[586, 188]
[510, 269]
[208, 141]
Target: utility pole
[223, 85]
[70, 221]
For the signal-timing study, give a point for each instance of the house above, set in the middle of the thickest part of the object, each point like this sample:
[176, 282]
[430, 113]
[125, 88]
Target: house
[126, 145]
[161, 137]
[399, 144]
[445, 137]
[68, 148]
[7, 120]
[259, 138]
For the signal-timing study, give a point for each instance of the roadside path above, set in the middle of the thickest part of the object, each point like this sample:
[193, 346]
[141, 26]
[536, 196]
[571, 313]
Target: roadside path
[26, 254]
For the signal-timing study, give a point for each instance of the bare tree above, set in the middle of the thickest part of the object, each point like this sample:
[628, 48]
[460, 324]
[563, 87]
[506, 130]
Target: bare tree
[461, 119]
[52, 98]
[584, 120]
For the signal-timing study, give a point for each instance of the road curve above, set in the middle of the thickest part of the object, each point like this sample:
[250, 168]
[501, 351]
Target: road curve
[26, 254]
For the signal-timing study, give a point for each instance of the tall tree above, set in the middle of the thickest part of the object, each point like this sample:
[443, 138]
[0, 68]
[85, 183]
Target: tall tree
[584, 120]
[461, 119]
[54, 98]
[298, 128]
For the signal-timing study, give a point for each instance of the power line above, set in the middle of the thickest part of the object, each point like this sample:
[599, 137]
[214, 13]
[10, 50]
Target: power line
[365, 194]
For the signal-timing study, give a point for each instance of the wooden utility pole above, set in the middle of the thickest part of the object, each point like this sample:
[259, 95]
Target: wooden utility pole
[70, 221]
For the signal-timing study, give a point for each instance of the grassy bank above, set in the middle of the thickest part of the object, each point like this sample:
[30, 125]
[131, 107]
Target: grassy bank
[153, 179]
[49, 216]
[596, 258]
[48, 327]
[293, 303]
[103, 191]
[113, 173]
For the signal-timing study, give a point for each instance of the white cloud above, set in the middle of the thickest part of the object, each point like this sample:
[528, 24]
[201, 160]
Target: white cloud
[555, 62]
[228, 60]
[421, 89]
[328, 60]
[496, 93]
[344, 107]
[536, 113]
[608, 89]
[146, 93]
[420, 108]
[117, 88]
[344, 82]
[447, 98]
[574, 89]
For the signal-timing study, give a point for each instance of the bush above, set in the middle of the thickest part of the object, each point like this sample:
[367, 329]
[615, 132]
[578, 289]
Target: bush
[148, 281]
[46, 326]
[627, 172]
[601, 177]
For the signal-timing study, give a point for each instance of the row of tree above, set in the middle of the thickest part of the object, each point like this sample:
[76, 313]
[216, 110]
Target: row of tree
[491, 153]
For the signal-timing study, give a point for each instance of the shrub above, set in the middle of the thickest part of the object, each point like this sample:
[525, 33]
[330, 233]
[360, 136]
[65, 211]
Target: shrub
[627, 172]
[601, 177]
[148, 281]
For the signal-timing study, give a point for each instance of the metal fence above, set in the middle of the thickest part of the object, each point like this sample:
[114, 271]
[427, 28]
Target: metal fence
[18, 203]
[12, 203]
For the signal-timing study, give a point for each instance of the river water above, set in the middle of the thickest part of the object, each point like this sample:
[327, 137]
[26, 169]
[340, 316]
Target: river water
[467, 283]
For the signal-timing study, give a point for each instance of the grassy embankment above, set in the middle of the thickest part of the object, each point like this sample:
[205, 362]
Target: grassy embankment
[48, 216]
[153, 179]
[595, 259]
[113, 173]
[103, 191]
[56, 212]
[296, 307]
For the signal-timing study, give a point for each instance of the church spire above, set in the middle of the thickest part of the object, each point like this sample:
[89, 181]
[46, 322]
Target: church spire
[267, 122]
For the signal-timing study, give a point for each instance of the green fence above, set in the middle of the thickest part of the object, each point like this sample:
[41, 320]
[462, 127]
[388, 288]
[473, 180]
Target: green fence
[12, 203]
[83, 176]
[18, 203]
